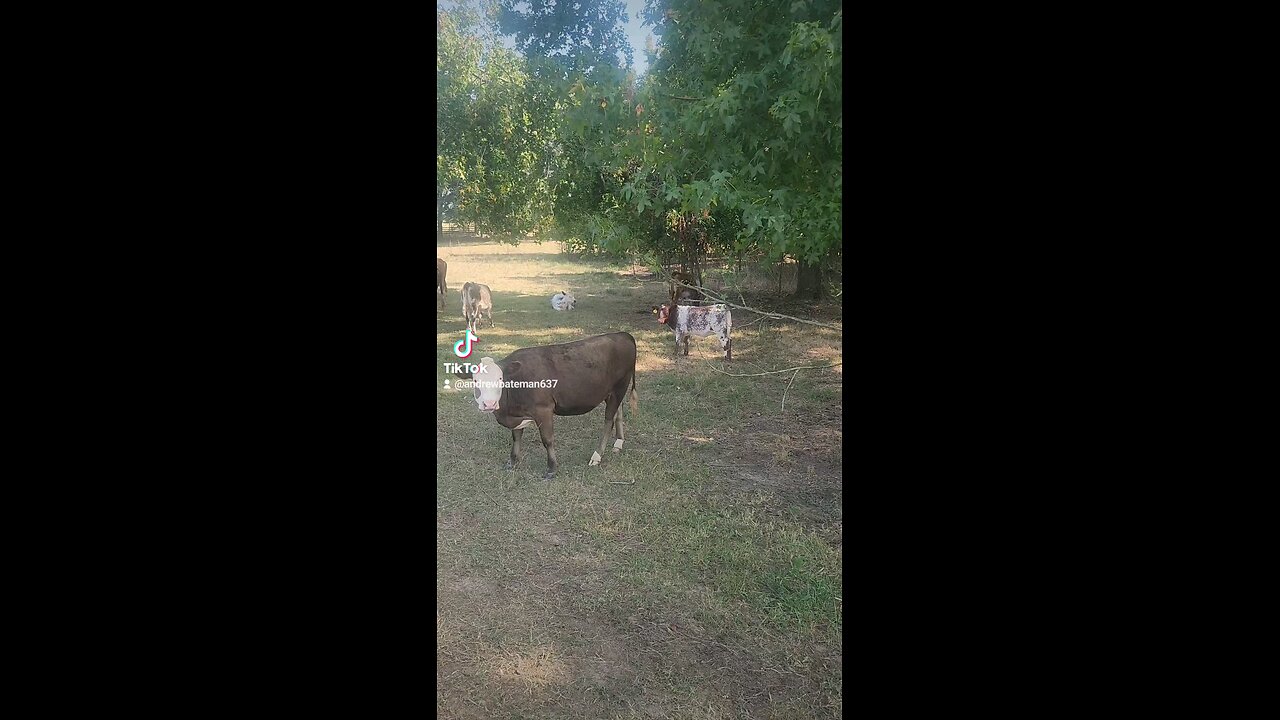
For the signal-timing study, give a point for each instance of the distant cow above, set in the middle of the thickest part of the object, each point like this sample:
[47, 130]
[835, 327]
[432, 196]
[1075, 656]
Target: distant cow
[586, 372]
[698, 321]
[476, 300]
[563, 301]
[442, 289]
[682, 295]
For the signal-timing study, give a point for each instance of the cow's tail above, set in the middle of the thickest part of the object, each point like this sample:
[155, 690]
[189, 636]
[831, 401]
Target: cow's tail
[633, 392]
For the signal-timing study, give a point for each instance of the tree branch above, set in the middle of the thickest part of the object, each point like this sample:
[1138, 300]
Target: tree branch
[775, 372]
[784, 392]
[722, 301]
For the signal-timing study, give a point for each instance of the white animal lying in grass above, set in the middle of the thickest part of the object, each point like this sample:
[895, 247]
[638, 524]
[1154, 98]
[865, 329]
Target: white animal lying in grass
[563, 301]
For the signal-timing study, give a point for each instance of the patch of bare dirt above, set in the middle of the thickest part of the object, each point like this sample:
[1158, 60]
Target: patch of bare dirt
[792, 473]
[537, 667]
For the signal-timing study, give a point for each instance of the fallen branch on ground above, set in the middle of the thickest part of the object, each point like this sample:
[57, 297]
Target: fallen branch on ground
[784, 392]
[774, 372]
[716, 298]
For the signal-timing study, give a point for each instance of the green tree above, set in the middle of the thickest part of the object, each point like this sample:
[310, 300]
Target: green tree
[747, 96]
[578, 52]
[495, 138]
[578, 37]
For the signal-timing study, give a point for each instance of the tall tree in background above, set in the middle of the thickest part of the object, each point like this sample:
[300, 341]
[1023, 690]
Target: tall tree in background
[458, 57]
[495, 146]
[738, 126]
[581, 37]
[747, 96]
[577, 50]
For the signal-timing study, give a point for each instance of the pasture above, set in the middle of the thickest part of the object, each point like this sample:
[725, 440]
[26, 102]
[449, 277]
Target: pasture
[696, 574]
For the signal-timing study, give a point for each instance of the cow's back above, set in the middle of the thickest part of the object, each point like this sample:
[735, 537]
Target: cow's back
[586, 371]
[476, 295]
[701, 321]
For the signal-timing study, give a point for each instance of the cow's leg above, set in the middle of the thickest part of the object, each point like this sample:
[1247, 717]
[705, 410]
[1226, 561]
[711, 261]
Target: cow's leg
[620, 391]
[546, 428]
[490, 311]
[617, 430]
[611, 406]
[516, 435]
[686, 344]
[726, 344]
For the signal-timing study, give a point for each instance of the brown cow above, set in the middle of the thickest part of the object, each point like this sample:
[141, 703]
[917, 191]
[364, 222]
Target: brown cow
[576, 377]
[442, 289]
[683, 295]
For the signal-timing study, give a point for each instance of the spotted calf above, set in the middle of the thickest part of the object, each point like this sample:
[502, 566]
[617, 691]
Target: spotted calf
[685, 321]
[477, 300]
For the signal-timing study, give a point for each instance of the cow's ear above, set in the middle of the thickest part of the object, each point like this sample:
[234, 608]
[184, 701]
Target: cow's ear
[512, 367]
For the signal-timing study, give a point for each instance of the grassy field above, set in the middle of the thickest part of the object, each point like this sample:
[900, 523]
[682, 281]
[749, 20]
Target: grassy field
[696, 574]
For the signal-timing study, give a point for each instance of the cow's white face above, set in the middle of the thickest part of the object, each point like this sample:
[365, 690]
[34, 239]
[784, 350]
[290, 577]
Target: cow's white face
[488, 389]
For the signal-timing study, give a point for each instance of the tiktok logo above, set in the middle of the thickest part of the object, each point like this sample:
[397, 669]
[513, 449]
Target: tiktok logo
[466, 340]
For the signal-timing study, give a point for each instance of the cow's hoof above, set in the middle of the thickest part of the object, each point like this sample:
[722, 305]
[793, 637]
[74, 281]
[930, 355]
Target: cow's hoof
[595, 459]
[617, 445]
[509, 466]
[549, 476]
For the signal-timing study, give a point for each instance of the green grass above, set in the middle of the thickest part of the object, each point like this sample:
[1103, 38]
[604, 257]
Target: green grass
[692, 590]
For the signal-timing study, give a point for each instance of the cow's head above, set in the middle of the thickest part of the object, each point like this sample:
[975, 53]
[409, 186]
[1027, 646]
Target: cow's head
[664, 313]
[488, 387]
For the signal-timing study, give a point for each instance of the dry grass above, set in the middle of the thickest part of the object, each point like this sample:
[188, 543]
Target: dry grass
[706, 586]
[538, 668]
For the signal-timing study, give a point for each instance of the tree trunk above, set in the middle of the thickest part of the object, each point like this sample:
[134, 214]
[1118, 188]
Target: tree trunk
[809, 281]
